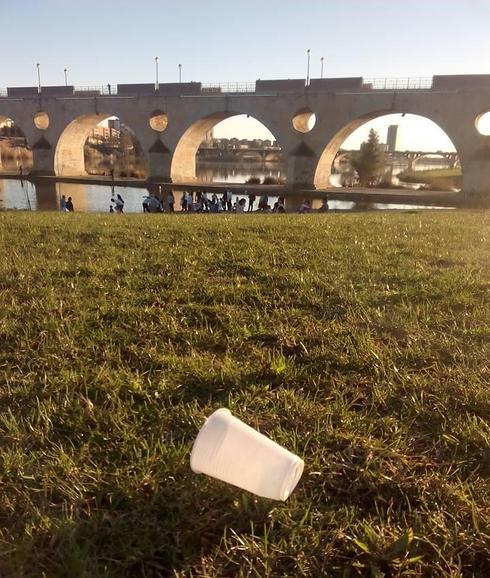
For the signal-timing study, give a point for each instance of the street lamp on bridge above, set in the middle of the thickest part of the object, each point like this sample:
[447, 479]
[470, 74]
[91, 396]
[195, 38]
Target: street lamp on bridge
[156, 72]
[65, 70]
[308, 68]
[321, 69]
[38, 77]
[180, 72]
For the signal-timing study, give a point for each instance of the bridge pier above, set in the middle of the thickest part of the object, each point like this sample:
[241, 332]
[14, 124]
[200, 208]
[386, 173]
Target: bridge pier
[159, 160]
[43, 158]
[46, 196]
[476, 179]
[301, 165]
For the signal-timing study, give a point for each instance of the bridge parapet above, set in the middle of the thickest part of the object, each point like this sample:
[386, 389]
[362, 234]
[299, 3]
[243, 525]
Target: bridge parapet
[266, 87]
[332, 84]
[168, 88]
[461, 81]
[29, 91]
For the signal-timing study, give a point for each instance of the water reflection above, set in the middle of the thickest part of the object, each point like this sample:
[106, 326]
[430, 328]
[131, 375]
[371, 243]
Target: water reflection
[232, 173]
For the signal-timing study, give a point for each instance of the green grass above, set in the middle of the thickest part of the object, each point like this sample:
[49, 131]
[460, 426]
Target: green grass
[358, 341]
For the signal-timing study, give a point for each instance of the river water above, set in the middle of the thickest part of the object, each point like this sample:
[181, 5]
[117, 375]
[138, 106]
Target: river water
[45, 195]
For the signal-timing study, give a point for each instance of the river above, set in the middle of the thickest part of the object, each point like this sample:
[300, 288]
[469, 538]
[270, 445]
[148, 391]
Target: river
[94, 198]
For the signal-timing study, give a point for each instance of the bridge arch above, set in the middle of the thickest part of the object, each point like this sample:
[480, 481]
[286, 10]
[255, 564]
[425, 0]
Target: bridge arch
[323, 169]
[183, 165]
[69, 158]
[15, 150]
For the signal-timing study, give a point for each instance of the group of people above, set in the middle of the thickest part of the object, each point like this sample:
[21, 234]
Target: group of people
[66, 205]
[199, 202]
[117, 205]
[153, 203]
[306, 207]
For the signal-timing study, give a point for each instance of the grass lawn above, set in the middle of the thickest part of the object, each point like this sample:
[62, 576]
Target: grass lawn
[358, 341]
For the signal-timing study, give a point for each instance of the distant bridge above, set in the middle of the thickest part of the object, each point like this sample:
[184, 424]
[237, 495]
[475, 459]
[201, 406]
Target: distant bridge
[261, 154]
[412, 157]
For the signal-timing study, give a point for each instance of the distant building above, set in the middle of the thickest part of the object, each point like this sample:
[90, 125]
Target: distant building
[392, 138]
[114, 124]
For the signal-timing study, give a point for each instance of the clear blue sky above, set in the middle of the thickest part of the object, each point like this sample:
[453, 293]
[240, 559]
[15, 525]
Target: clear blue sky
[111, 41]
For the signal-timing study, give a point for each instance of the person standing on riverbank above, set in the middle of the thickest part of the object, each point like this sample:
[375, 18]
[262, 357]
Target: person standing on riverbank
[229, 196]
[324, 206]
[63, 204]
[183, 202]
[69, 205]
[170, 201]
[263, 202]
[251, 201]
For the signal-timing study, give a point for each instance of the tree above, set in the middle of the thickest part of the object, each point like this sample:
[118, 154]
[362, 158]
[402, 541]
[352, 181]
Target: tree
[369, 162]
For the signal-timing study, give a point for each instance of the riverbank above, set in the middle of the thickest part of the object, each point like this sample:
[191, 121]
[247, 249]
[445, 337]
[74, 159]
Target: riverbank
[445, 179]
[385, 196]
[357, 341]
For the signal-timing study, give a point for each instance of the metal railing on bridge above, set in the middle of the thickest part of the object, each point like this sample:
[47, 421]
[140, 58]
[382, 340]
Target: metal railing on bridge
[219, 88]
[106, 89]
[227, 87]
[402, 83]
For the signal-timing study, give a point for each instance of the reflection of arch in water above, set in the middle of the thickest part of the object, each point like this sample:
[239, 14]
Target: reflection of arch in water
[324, 166]
[183, 167]
[274, 157]
[46, 195]
[69, 156]
[14, 148]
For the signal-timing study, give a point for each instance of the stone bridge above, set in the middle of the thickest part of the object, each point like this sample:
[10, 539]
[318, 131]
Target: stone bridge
[171, 120]
[412, 157]
[264, 154]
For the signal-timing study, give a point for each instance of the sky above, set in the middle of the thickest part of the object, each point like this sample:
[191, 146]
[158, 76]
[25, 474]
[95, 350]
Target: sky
[116, 41]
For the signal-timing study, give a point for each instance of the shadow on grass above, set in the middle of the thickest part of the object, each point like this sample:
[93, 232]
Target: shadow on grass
[139, 531]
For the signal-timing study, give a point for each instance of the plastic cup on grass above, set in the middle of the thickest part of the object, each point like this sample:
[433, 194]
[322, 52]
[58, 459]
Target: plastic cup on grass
[231, 451]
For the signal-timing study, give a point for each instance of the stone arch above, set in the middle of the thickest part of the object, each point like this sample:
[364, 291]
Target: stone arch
[19, 141]
[327, 156]
[183, 165]
[69, 158]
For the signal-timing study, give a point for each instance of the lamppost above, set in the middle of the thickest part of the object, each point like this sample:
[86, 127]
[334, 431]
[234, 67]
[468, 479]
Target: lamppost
[38, 77]
[156, 72]
[321, 71]
[308, 69]
[65, 70]
[180, 72]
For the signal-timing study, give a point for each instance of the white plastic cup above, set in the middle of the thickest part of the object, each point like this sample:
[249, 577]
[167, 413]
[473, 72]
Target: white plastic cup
[231, 451]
